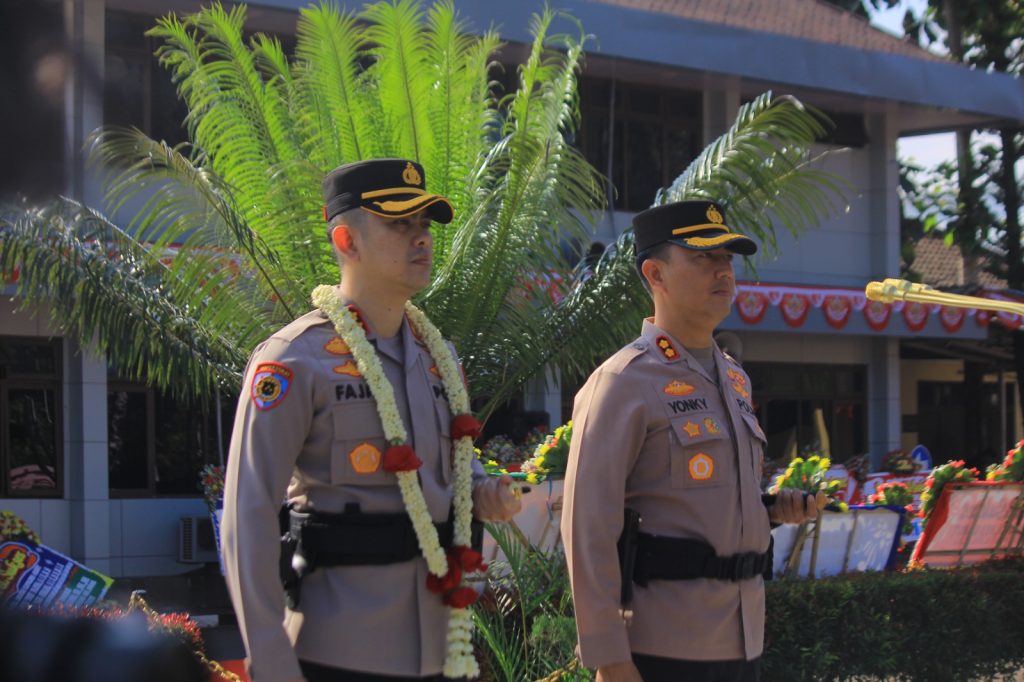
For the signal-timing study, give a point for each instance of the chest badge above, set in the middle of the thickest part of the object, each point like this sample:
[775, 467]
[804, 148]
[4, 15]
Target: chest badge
[337, 346]
[736, 386]
[711, 426]
[692, 430]
[701, 467]
[365, 458]
[270, 384]
[348, 368]
[735, 376]
[679, 388]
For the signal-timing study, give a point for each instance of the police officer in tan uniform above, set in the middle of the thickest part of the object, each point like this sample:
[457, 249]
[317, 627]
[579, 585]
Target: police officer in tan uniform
[307, 431]
[665, 429]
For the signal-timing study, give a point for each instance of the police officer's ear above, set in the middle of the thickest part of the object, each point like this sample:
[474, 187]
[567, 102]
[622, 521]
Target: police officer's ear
[652, 272]
[341, 237]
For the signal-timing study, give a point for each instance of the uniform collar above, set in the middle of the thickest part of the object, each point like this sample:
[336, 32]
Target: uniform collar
[670, 351]
[410, 342]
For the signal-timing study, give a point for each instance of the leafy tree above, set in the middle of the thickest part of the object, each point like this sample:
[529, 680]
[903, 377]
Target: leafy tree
[230, 240]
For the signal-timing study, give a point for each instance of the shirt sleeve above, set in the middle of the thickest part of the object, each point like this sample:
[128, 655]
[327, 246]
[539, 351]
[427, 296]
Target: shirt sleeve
[609, 427]
[271, 424]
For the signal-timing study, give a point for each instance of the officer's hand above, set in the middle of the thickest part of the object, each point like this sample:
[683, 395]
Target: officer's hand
[495, 500]
[619, 672]
[793, 506]
[510, 497]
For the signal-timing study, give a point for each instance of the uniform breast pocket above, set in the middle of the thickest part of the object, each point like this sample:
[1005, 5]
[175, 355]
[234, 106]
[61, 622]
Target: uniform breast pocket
[700, 459]
[357, 452]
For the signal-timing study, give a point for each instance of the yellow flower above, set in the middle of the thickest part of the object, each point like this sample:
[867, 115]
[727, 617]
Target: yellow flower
[825, 463]
[532, 478]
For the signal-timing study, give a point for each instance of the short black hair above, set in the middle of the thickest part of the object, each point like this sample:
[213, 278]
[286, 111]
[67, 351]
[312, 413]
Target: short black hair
[659, 251]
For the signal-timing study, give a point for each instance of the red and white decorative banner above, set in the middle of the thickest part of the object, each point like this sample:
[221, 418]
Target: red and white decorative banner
[837, 305]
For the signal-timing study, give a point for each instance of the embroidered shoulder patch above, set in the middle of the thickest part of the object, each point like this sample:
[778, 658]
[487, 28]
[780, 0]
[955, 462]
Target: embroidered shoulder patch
[348, 368]
[679, 388]
[270, 384]
[337, 346]
[667, 349]
[701, 467]
[365, 458]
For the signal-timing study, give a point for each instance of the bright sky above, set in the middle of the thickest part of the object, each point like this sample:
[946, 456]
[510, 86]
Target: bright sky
[926, 150]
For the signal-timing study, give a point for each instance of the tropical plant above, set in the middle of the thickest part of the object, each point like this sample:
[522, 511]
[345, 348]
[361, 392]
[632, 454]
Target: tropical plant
[229, 239]
[525, 624]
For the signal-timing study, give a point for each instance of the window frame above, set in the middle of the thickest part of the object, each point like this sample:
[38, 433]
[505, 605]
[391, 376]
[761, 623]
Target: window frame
[13, 380]
[119, 385]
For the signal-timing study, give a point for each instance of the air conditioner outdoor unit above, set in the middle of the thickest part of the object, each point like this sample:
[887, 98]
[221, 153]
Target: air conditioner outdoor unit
[196, 544]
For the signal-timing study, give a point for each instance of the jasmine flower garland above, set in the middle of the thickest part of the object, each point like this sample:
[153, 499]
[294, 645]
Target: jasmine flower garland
[459, 660]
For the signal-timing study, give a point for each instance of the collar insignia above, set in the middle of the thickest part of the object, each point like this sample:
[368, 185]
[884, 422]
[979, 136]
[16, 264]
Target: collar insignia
[667, 349]
[736, 376]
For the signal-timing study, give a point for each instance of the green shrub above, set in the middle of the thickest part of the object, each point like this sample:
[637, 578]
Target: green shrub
[922, 625]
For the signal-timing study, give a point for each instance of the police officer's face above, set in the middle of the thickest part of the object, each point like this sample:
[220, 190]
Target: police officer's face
[700, 283]
[397, 251]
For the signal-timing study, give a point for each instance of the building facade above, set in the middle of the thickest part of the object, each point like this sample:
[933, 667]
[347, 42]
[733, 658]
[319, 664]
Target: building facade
[106, 469]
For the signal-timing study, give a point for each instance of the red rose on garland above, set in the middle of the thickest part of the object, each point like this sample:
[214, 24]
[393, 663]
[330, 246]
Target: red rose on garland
[398, 458]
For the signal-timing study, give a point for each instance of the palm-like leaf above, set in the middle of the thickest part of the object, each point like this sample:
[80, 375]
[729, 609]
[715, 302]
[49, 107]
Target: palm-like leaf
[239, 207]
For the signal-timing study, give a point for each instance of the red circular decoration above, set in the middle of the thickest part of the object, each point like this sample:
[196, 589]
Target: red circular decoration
[952, 318]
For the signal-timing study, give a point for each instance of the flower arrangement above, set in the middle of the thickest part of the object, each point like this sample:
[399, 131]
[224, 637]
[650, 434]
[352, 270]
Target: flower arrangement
[950, 472]
[13, 527]
[551, 457]
[1011, 468]
[809, 475]
[899, 462]
[211, 482]
[501, 455]
[898, 495]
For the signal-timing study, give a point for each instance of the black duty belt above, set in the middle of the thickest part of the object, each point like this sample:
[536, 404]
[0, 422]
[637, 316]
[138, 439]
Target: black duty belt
[361, 539]
[666, 558]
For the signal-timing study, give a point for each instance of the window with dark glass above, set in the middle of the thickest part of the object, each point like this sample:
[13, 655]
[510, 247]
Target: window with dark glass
[811, 407]
[137, 90]
[31, 434]
[157, 445]
[650, 134]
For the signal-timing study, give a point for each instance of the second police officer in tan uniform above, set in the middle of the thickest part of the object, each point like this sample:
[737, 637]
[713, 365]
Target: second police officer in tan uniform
[665, 428]
[307, 430]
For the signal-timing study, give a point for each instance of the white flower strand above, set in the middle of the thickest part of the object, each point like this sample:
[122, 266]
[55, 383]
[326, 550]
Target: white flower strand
[459, 659]
[325, 298]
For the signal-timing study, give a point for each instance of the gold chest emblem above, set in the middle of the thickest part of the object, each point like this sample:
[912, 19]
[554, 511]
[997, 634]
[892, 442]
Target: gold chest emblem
[411, 175]
[714, 215]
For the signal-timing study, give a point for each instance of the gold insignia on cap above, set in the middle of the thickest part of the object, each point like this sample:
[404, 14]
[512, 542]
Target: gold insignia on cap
[713, 214]
[412, 176]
